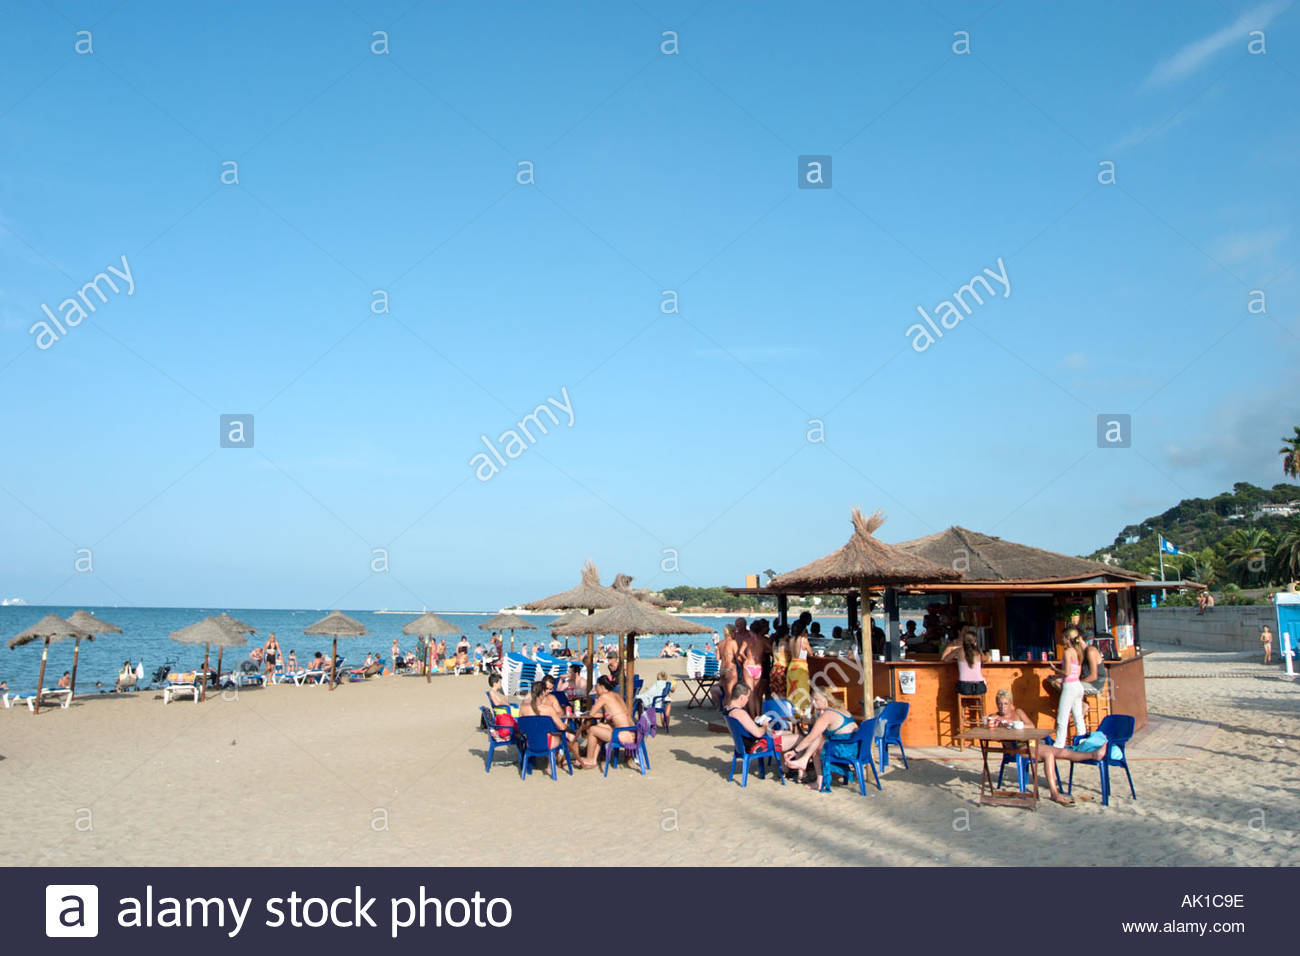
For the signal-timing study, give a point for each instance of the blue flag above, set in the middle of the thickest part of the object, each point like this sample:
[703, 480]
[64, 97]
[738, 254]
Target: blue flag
[1168, 547]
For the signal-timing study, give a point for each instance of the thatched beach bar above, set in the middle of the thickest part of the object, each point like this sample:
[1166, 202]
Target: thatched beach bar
[1018, 600]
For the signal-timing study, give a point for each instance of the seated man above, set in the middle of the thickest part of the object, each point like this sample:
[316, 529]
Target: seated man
[577, 681]
[737, 706]
[500, 703]
[610, 707]
[1088, 750]
[318, 663]
[66, 680]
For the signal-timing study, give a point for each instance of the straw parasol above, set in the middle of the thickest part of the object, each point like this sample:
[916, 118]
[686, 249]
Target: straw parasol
[590, 595]
[623, 584]
[628, 619]
[209, 631]
[49, 628]
[507, 622]
[92, 625]
[336, 624]
[864, 562]
[430, 625]
[236, 625]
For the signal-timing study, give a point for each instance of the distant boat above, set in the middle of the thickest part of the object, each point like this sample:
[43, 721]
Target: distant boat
[387, 611]
[12, 602]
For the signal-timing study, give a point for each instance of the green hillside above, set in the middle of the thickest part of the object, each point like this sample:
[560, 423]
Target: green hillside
[1229, 540]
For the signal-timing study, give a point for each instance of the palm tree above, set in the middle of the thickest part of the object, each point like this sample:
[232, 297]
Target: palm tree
[1287, 555]
[1290, 452]
[1246, 551]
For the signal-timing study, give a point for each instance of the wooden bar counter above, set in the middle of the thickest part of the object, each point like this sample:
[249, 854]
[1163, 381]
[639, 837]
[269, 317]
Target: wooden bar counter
[932, 719]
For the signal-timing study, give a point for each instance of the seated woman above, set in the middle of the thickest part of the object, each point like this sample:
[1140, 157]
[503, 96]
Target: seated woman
[611, 708]
[1007, 712]
[1088, 750]
[318, 663]
[540, 703]
[1093, 677]
[463, 665]
[832, 726]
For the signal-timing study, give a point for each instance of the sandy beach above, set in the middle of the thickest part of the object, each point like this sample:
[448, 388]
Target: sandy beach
[391, 772]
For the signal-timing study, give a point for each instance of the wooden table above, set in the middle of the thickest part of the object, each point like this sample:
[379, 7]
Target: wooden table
[987, 735]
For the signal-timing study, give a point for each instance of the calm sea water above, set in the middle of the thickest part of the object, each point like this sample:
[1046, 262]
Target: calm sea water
[145, 629]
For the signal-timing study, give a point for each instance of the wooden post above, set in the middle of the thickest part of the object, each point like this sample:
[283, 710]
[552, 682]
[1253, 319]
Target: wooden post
[783, 609]
[221, 653]
[203, 687]
[891, 623]
[591, 663]
[512, 640]
[76, 653]
[868, 661]
[852, 601]
[40, 681]
[428, 658]
[629, 669]
[334, 661]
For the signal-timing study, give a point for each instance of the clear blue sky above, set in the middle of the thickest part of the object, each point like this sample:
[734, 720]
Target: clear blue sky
[361, 171]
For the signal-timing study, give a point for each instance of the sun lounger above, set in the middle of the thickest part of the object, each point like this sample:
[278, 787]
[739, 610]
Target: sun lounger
[53, 695]
[178, 685]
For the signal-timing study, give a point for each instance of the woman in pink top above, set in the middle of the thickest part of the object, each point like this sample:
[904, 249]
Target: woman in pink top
[970, 678]
[1071, 688]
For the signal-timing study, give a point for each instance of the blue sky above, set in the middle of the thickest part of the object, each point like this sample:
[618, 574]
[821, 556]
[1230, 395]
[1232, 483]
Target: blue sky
[361, 171]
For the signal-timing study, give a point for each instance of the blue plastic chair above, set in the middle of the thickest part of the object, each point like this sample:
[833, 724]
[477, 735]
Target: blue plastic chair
[891, 719]
[851, 755]
[739, 738]
[497, 736]
[781, 711]
[637, 683]
[1022, 768]
[643, 728]
[534, 732]
[1118, 729]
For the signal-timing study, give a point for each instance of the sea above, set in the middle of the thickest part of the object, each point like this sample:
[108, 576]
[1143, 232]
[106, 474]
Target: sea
[144, 639]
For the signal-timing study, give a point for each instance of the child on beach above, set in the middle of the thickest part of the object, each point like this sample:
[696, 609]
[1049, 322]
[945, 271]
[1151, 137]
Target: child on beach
[1266, 638]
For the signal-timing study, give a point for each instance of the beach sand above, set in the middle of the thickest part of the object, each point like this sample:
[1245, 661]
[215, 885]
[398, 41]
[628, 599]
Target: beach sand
[390, 772]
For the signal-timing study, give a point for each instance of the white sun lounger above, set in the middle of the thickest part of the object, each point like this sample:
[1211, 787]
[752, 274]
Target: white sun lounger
[57, 695]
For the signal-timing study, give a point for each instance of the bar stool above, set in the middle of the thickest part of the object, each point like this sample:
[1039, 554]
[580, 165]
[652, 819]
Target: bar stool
[1098, 706]
[970, 714]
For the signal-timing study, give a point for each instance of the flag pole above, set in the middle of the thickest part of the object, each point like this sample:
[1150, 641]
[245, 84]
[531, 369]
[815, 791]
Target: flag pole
[1160, 548]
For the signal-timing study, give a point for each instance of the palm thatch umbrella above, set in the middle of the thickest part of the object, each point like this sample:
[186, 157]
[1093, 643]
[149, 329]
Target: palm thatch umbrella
[92, 625]
[862, 563]
[430, 625]
[338, 624]
[236, 625]
[209, 631]
[628, 619]
[623, 584]
[590, 595]
[507, 622]
[49, 628]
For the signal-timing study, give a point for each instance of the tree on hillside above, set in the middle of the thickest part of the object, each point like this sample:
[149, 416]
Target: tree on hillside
[1246, 551]
[1287, 555]
[1290, 452]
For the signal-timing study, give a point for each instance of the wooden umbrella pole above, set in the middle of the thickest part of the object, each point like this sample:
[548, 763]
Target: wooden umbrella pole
[203, 687]
[868, 657]
[629, 667]
[334, 661]
[591, 663]
[76, 653]
[512, 640]
[40, 681]
[428, 660]
[221, 653]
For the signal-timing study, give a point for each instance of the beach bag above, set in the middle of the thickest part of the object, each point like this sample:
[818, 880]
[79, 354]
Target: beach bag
[1094, 741]
[503, 728]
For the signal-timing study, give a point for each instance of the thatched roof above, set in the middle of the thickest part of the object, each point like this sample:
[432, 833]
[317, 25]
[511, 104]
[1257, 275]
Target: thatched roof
[589, 595]
[50, 626]
[431, 625]
[982, 557]
[91, 624]
[865, 561]
[623, 584]
[210, 630]
[235, 624]
[336, 624]
[631, 616]
[573, 617]
[507, 622]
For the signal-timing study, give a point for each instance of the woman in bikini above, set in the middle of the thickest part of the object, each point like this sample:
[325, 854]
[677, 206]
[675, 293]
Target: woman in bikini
[270, 652]
[776, 682]
[727, 660]
[832, 727]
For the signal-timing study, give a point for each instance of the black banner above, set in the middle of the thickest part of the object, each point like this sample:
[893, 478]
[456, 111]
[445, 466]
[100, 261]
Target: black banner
[640, 910]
